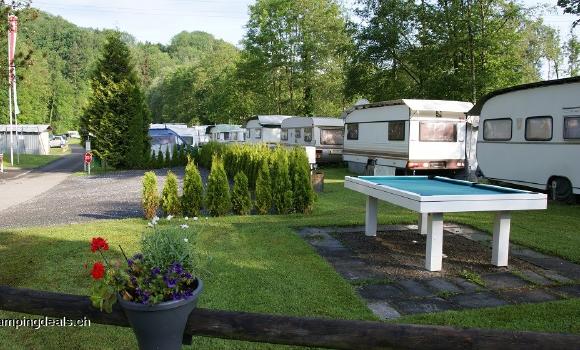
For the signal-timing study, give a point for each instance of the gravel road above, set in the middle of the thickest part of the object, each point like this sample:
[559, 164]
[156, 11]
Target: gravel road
[82, 198]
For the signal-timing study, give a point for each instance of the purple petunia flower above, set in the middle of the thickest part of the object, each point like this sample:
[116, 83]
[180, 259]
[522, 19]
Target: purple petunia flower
[130, 262]
[138, 256]
[155, 271]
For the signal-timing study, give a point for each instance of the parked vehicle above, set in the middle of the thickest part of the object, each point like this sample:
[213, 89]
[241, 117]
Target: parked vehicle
[325, 134]
[265, 128]
[530, 136]
[226, 133]
[406, 136]
[73, 134]
[57, 141]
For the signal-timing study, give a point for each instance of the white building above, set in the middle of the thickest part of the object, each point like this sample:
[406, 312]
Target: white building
[28, 139]
[530, 136]
[406, 136]
[265, 128]
[326, 135]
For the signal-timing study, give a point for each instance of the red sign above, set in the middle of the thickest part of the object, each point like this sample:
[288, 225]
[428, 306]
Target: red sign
[88, 157]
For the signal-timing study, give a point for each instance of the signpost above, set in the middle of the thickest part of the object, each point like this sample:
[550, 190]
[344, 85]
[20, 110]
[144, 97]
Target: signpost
[88, 160]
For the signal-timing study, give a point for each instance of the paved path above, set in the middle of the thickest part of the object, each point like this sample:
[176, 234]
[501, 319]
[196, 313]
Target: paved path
[24, 186]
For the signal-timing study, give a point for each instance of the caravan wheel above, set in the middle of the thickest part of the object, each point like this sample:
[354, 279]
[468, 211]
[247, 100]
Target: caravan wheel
[562, 190]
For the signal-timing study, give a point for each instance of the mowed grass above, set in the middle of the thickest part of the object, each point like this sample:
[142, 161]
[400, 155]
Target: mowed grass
[259, 264]
[30, 161]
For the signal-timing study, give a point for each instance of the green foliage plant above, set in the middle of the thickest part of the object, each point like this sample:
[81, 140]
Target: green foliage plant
[150, 199]
[264, 189]
[302, 184]
[192, 199]
[241, 200]
[217, 198]
[170, 202]
[281, 185]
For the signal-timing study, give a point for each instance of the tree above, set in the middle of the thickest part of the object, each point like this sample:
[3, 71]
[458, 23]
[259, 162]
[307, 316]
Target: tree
[150, 199]
[572, 7]
[241, 201]
[281, 184]
[264, 189]
[169, 196]
[192, 199]
[572, 50]
[301, 182]
[116, 113]
[217, 199]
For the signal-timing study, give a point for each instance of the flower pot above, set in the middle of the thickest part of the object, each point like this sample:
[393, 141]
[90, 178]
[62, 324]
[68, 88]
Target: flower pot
[160, 326]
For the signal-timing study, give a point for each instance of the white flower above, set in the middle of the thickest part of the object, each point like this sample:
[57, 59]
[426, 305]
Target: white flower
[155, 218]
[186, 240]
[184, 226]
[206, 217]
[195, 218]
[415, 242]
[150, 224]
[169, 217]
[186, 218]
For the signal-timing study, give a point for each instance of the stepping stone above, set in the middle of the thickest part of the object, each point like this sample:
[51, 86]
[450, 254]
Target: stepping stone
[354, 273]
[527, 296]
[560, 266]
[335, 252]
[383, 310]
[466, 285]
[477, 300]
[420, 306]
[414, 288]
[536, 278]
[503, 280]
[328, 242]
[569, 291]
[556, 277]
[381, 292]
[442, 285]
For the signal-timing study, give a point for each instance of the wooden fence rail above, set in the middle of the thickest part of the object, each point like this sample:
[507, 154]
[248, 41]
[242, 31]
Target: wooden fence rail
[275, 329]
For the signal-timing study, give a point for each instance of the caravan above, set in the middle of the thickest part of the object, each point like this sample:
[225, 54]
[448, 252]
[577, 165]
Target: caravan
[530, 136]
[406, 136]
[326, 135]
[265, 128]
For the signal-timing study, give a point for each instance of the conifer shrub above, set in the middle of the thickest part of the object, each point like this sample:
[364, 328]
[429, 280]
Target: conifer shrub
[167, 158]
[241, 200]
[217, 198]
[281, 185]
[303, 194]
[264, 189]
[175, 155]
[160, 162]
[150, 199]
[192, 199]
[169, 196]
[207, 151]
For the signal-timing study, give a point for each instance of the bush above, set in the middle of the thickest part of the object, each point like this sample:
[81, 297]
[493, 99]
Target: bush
[281, 184]
[208, 151]
[264, 189]
[218, 189]
[191, 201]
[150, 200]
[301, 182]
[159, 162]
[241, 201]
[169, 197]
[167, 159]
[166, 246]
[175, 155]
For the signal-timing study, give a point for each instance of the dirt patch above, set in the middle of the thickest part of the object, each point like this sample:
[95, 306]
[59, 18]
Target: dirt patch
[401, 255]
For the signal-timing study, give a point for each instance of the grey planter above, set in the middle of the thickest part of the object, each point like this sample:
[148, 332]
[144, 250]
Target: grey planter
[160, 326]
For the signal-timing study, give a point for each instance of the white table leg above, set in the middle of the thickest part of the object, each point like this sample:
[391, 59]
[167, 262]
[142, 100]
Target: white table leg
[371, 216]
[501, 239]
[434, 250]
[423, 223]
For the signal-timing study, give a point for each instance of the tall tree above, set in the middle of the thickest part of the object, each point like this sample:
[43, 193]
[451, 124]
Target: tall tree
[116, 114]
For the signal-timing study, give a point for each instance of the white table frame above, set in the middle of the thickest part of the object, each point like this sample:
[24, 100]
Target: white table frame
[431, 209]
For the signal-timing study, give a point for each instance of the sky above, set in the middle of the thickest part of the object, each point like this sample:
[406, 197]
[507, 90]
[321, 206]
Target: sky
[158, 21]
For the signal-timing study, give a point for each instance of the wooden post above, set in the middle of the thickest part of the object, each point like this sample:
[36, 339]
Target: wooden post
[434, 249]
[423, 223]
[501, 239]
[371, 216]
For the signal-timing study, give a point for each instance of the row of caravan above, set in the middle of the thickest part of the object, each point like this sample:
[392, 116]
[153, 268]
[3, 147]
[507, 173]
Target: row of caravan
[529, 136]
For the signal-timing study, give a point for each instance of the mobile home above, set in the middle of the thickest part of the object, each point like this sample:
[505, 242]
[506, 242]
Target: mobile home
[530, 136]
[26, 139]
[165, 136]
[226, 133]
[405, 136]
[325, 134]
[265, 128]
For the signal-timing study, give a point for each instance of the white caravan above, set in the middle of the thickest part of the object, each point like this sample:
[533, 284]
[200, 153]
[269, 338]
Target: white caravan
[530, 136]
[405, 136]
[325, 134]
[225, 133]
[265, 128]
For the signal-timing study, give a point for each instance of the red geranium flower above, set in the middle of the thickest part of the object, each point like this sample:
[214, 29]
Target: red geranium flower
[98, 271]
[99, 243]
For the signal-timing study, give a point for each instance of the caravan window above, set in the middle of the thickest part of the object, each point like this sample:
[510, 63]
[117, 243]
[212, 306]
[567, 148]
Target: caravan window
[284, 135]
[331, 136]
[248, 134]
[539, 128]
[497, 129]
[226, 136]
[258, 133]
[307, 135]
[572, 128]
[352, 131]
[438, 131]
[396, 131]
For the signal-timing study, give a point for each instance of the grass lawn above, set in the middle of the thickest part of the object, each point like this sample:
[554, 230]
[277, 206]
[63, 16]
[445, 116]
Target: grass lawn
[31, 161]
[258, 264]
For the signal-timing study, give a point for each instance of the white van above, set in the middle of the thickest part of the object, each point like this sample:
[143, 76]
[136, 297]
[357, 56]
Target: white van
[530, 136]
[325, 134]
[406, 136]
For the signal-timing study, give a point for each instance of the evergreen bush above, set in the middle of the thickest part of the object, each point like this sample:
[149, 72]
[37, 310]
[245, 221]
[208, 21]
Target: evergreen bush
[218, 200]
[167, 158]
[175, 155]
[264, 189]
[150, 199]
[302, 183]
[281, 184]
[169, 197]
[192, 199]
[159, 163]
[241, 201]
